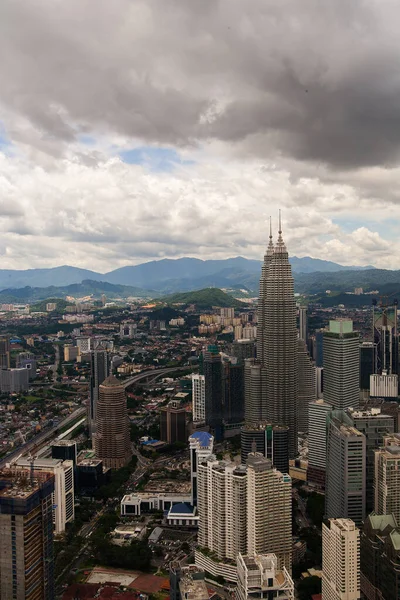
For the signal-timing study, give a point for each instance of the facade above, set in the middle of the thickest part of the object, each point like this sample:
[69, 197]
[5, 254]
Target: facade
[198, 397]
[27, 360]
[340, 560]
[221, 502]
[26, 560]
[99, 371]
[112, 438]
[345, 473]
[14, 380]
[318, 412]
[255, 410]
[4, 352]
[173, 423]
[367, 364]
[380, 557]
[375, 426]
[243, 348]
[212, 365]
[201, 445]
[307, 385]
[341, 365]
[387, 477]
[259, 577]
[71, 352]
[63, 495]
[269, 510]
[303, 324]
[269, 440]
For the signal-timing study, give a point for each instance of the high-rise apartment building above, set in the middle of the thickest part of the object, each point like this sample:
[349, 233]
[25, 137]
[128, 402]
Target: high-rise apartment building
[222, 508]
[259, 577]
[387, 477]
[340, 560]
[375, 426]
[198, 398]
[173, 423]
[99, 371]
[212, 366]
[345, 473]
[318, 412]
[341, 365]
[306, 383]
[14, 380]
[4, 352]
[269, 510]
[26, 534]
[63, 495]
[380, 557]
[112, 438]
[201, 445]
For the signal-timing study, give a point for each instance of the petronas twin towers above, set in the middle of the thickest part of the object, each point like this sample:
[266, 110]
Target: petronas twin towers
[271, 381]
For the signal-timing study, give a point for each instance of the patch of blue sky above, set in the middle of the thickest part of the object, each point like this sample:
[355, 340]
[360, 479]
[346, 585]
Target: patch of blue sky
[154, 158]
[384, 227]
[87, 140]
[5, 144]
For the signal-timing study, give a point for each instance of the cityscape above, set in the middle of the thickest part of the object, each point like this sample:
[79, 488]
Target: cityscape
[199, 291]
[248, 449]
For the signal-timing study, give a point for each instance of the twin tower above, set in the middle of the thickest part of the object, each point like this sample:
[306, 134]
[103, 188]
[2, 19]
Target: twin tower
[271, 381]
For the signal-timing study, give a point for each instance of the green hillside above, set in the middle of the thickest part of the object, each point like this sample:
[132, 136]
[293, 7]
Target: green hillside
[41, 306]
[205, 298]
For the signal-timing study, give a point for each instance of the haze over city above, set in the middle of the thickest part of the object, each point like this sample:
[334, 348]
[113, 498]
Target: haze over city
[132, 131]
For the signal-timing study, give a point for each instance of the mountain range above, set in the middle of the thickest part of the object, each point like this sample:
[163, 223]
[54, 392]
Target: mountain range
[165, 276]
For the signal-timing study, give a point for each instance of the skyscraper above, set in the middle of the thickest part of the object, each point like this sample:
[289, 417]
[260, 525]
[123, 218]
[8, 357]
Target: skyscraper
[269, 440]
[303, 324]
[318, 412]
[112, 438]
[99, 371]
[345, 472]
[269, 510]
[276, 344]
[198, 397]
[307, 391]
[26, 534]
[341, 365]
[340, 560]
[201, 445]
[173, 423]
[387, 477]
[4, 352]
[233, 391]
[212, 366]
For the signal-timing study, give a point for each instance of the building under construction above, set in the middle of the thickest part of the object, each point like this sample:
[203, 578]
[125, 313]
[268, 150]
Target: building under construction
[384, 381]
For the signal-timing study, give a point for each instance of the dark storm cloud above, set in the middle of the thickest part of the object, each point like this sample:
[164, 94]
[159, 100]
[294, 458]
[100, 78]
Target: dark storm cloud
[316, 81]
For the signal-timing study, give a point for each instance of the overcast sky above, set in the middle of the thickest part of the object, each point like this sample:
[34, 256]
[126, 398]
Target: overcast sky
[133, 130]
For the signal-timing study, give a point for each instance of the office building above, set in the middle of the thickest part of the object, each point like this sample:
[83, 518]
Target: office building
[269, 510]
[14, 380]
[233, 386]
[367, 364]
[63, 495]
[277, 341]
[318, 412]
[345, 470]
[259, 577]
[71, 352]
[269, 440]
[387, 477]
[380, 557]
[99, 371]
[187, 582]
[340, 560]
[64, 450]
[306, 383]
[201, 446]
[4, 352]
[198, 398]
[112, 438]
[375, 426]
[212, 366]
[221, 502]
[173, 423]
[26, 532]
[385, 330]
[341, 365]
[303, 324]
[242, 349]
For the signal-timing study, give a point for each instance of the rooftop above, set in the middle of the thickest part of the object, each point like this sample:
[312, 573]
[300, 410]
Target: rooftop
[382, 521]
[204, 438]
[183, 508]
[111, 381]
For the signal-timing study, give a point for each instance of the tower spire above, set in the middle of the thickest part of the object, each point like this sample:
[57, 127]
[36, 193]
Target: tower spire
[270, 249]
[280, 244]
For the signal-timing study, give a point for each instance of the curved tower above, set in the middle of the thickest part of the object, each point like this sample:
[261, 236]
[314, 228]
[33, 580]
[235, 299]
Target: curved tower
[112, 439]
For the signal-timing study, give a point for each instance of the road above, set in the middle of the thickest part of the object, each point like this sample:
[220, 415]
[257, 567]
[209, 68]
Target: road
[152, 375]
[39, 439]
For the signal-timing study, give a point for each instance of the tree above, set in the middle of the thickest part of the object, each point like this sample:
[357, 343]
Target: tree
[309, 586]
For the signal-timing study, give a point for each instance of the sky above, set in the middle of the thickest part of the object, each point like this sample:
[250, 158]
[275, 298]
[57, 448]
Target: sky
[136, 130]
